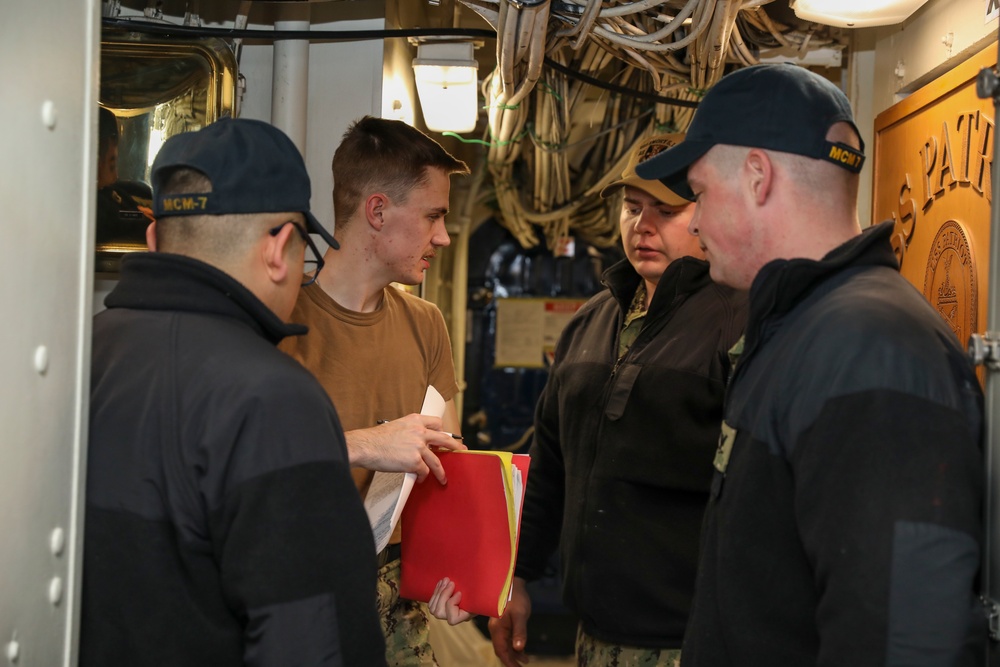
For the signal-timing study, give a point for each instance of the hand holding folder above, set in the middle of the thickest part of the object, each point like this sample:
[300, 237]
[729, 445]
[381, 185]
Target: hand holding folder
[466, 530]
[389, 488]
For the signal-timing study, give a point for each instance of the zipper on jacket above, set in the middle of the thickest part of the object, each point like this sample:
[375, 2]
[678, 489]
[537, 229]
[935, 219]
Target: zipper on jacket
[637, 345]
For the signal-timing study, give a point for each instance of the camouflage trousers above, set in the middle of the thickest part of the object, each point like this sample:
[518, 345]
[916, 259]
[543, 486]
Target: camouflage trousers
[591, 652]
[404, 623]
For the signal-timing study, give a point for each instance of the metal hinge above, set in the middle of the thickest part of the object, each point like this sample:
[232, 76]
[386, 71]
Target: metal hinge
[987, 83]
[992, 611]
[984, 350]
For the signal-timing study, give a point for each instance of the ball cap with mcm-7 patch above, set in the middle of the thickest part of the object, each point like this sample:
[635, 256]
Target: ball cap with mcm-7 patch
[645, 150]
[782, 108]
[253, 167]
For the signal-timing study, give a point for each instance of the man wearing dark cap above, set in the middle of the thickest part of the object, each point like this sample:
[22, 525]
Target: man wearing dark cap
[625, 432]
[844, 520]
[222, 524]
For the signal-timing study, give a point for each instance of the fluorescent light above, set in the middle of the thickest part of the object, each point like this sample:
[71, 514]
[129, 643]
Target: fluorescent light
[446, 85]
[856, 13]
[825, 56]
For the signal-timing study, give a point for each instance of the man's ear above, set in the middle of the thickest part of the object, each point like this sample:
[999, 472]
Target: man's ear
[274, 253]
[374, 208]
[759, 171]
[151, 236]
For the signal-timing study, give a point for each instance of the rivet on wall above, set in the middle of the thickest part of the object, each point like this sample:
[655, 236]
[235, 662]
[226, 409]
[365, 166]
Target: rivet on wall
[49, 114]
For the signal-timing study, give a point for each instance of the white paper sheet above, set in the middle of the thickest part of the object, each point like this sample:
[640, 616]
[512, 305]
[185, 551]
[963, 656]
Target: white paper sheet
[389, 491]
[384, 503]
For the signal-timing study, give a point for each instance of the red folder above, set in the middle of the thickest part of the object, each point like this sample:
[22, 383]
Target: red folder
[466, 530]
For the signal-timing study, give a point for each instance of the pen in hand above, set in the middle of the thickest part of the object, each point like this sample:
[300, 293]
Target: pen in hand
[452, 435]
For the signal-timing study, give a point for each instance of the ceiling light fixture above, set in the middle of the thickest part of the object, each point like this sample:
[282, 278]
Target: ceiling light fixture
[856, 13]
[445, 74]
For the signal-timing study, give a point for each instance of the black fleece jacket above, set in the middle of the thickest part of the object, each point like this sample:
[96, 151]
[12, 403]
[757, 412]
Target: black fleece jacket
[622, 453]
[222, 525]
[844, 529]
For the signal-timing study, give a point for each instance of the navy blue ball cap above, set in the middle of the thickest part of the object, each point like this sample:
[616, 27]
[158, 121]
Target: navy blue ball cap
[782, 107]
[253, 166]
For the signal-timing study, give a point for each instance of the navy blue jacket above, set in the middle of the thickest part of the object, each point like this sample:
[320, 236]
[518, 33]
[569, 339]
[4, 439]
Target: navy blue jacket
[845, 528]
[222, 525]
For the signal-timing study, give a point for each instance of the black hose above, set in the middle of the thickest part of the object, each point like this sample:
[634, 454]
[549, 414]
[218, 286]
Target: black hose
[310, 35]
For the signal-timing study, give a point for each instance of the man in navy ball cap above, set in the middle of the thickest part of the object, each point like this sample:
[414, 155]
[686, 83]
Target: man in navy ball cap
[843, 526]
[252, 167]
[222, 524]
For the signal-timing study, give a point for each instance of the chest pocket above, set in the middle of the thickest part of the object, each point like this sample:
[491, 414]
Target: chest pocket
[623, 382]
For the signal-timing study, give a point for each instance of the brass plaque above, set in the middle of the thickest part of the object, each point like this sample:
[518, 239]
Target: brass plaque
[933, 159]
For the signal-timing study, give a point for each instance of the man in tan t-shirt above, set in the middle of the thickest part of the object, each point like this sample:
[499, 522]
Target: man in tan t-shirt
[376, 349]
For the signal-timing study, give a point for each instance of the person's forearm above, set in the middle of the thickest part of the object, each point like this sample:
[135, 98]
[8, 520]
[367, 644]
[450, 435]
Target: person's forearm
[360, 448]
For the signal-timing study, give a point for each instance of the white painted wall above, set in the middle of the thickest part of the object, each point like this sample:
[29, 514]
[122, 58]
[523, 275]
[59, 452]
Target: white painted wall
[939, 35]
[345, 82]
[48, 112]
[889, 62]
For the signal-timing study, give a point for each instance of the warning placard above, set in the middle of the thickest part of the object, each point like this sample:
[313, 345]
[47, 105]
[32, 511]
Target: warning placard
[528, 330]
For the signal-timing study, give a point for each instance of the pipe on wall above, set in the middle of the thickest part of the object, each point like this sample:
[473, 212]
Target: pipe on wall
[290, 82]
